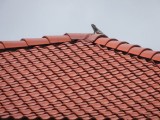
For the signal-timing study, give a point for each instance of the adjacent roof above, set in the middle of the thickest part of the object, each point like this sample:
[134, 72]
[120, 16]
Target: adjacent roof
[78, 76]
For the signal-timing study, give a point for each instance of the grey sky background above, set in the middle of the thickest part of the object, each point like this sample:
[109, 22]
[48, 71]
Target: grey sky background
[134, 21]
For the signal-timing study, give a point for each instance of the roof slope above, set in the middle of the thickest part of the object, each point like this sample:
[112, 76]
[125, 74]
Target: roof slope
[78, 76]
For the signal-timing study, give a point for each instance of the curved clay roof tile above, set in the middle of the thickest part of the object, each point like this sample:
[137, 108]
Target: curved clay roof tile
[14, 44]
[148, 54]
[75, 36]
[102, 41]
[156, 56]
[94, 37]
[137, 50]
[115, 43]
[57, 39]
[126, 47]
[35, 41]
[2, 45]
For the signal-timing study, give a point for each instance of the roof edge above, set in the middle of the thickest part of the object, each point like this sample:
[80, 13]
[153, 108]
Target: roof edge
[129, 48]
[95, 38]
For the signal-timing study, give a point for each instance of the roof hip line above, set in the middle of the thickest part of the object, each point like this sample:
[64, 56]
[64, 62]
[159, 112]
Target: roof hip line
[100, 39]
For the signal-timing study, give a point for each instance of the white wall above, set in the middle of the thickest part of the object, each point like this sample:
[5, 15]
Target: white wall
[134, 21]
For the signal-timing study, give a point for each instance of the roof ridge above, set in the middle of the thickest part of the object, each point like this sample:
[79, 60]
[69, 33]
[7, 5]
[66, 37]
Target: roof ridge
[95, 38]
[123, 46]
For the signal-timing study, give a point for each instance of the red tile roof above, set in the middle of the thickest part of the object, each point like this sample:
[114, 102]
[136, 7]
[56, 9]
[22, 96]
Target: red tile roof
[78, 76]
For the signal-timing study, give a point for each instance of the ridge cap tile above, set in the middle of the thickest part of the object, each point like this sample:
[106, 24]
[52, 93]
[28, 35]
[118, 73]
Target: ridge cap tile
[35, 41]
[58, 39]
[148, 53]
[2, 45]
[156, 56]
[14, 44]
[94, 37]
[80, 36]
[137, 50]
[114, 43]
[102, 41]
[126, 47]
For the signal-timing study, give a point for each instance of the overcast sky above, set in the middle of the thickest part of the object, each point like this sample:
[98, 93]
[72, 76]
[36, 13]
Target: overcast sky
[134, 21]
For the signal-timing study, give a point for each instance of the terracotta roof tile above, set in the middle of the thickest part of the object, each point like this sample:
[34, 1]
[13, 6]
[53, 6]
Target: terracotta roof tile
[35, 41]
[113, 43]
[1, 45]
[102, 41]
[14, 44]
[94, 37]
[78, 78]
[57, 39]
[137, 50]
[148, 53]
[156, 56]
[76, 36]
[126, 47]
